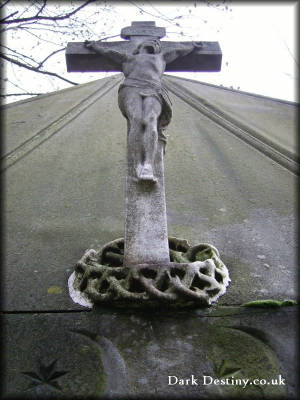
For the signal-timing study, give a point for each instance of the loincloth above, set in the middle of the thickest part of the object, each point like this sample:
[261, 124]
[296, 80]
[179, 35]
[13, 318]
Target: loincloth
[154, 89]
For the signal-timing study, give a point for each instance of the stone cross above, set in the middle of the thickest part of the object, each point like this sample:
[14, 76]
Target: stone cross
[144, 102]
[79, 58]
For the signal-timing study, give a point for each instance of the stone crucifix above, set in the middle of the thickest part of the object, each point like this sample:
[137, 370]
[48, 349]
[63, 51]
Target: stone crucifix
[145, 104]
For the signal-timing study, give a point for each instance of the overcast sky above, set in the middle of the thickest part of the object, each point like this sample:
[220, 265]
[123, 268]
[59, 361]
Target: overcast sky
[258, 42]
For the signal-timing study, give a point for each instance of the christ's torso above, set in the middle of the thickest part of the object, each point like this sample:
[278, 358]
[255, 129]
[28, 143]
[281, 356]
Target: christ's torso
[144, 67]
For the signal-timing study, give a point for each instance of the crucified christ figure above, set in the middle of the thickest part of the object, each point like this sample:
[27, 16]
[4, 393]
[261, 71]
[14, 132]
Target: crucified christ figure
[142, 98]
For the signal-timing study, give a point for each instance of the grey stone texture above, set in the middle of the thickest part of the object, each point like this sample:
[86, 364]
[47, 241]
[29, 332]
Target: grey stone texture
[230, 181]
[195, 275]
[129, 355]
[145, 104]
[146, 230]
[65, 188]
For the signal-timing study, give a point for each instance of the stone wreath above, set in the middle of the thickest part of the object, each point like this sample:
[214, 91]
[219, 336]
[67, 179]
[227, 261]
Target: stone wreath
[194, 276]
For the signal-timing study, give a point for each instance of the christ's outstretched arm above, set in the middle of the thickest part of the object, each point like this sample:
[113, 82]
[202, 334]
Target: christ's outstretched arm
[184, 49]
[114, 55]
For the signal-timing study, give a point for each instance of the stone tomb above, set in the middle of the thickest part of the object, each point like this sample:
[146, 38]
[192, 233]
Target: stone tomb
[232, 183]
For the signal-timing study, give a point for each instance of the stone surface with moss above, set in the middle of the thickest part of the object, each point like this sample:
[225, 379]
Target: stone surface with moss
[64, 193]
[195, 276]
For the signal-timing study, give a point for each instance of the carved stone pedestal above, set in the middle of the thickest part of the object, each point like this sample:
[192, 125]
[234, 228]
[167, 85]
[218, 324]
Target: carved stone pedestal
[194, 276]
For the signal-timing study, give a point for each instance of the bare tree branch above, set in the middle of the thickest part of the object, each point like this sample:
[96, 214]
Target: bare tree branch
[24, 91]
[39, 37]
[291, 54]
[108, 37]
[20, 94]
[42, 29]
[53, 18]
[146, 12]
[50, 24]
[19, 54]
[42, 8]
[35, 69]
[161, 16]
[37, 26]
[15, 85]
[4, 4]
[26, 9]
[50, 55]
[15, 28]
[8, 16]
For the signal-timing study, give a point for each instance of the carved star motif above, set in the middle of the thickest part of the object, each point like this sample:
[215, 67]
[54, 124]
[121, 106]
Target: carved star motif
[45, 375]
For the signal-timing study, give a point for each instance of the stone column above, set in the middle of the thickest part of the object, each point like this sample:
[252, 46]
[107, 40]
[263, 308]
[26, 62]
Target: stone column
[146, 233]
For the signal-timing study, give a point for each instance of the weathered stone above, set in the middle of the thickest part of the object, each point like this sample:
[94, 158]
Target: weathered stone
[144, 29]
[34, 342]
[266, 124]
[208, 57]
[145, 104]
[48, 113]
[246, 205]
[111, 354]
[195, 276]
[146, 229]
[51, 219]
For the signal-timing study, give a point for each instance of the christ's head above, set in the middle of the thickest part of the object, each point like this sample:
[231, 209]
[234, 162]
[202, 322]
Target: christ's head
[148, 47]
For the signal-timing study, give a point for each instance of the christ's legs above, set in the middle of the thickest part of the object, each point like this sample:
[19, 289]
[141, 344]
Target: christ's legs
[142, 115]
[131, 105]
[151, 112]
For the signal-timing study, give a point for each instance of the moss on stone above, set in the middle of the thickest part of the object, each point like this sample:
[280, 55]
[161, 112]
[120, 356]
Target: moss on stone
[269, 303]
[184, 281]
[239, 355]
[54, 290]
[89, 354]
